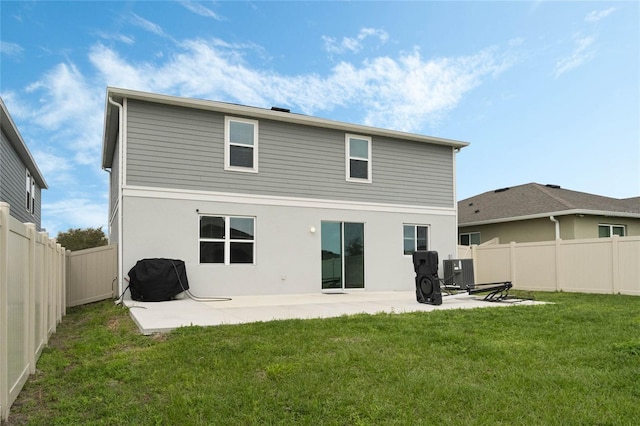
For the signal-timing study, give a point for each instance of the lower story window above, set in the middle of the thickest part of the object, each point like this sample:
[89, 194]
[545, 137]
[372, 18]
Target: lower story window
[227, 239]
[606, 230]
[416, 237]
[469, 238]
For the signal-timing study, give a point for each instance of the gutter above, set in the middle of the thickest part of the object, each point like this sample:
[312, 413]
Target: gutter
[119, 201]
[557, 223]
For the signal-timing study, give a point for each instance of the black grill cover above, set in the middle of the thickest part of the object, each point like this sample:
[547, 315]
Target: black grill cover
[157, 280]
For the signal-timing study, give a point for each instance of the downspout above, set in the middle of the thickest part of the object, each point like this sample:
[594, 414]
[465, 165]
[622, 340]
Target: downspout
[119, 202]
[554, 220]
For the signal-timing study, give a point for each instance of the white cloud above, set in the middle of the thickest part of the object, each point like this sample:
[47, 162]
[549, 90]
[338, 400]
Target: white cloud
[353, 44]
[117, 37]
[71, 110]
[401, 93]
[66, 97]
[53, 165]
[582, 53]
[82, 212]
[199, 9]
[146, 25]
[11, 49]
[597, 15]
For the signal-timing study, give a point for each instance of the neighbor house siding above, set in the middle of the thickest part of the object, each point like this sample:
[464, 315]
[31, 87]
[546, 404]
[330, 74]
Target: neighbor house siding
[521, 231]
[572, 227]
[587, 226]
[183, 148]
[13, 184]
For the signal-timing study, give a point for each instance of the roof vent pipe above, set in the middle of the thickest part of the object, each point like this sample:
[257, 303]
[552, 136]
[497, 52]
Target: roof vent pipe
[554, 220]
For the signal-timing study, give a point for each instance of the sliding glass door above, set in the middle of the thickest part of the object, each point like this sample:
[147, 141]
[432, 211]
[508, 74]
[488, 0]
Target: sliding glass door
[342, 255]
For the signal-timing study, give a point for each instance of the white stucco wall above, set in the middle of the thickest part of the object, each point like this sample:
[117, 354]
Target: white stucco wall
[288, 254]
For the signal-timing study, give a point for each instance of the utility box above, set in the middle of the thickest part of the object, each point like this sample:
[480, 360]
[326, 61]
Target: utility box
[458, 273]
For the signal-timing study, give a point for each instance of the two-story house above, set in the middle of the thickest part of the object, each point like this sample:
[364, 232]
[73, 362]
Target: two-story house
[21, 182]
[264, 201]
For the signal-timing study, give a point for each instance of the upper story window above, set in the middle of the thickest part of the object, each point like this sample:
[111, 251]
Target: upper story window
[606, 230]
[358, 158]
[469, 238]
[416, 237]
[240, 144]
[31, 194]
[227, 239]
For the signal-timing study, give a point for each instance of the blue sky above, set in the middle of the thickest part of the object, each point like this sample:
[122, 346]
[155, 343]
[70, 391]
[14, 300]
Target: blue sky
[544, 91]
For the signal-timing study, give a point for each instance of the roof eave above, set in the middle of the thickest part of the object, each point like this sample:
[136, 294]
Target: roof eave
[15, 138]
[606, 213]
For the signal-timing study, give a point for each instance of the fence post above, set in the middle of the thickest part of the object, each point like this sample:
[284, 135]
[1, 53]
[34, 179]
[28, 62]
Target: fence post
[62, 287]
[615, 264]
[31, 324]
[512, 262]
[474, 258]
[558, 248]
[4, 314]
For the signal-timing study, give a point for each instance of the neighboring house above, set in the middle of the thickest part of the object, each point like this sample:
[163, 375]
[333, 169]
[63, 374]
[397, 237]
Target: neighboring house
[21, 182]
[534, 212]
[259, 201]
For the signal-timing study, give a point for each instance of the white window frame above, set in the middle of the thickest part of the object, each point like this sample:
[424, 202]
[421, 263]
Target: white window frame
[227, 240]
[415, 236]
[611, 226]
[30, 187]
[228, 144]
[469, 234]
[348, 158]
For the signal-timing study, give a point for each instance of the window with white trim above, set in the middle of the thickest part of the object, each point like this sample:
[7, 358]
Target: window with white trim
[30, 204]
[358, 158]
[469, 238]
[415, 237]
[227, 239]
[606, 230]
[240, 144]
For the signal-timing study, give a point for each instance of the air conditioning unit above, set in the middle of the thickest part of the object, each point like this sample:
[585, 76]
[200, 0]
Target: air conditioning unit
[458, 273]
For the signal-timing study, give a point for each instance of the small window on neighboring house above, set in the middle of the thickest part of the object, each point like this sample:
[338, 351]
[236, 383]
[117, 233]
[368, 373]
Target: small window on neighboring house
[469, 238]
[227, 239]
[606, 230]
[241, 144]
[415, 237]
[31, 194]
[358, 158]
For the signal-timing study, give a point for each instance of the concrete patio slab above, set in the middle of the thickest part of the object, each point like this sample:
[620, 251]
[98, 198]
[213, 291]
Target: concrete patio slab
[160, 317]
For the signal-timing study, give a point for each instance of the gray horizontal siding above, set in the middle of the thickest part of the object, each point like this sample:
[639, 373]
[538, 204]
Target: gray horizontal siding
[183, 148]
[13, 184]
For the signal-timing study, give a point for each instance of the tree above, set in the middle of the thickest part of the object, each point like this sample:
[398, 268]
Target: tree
[80, 239]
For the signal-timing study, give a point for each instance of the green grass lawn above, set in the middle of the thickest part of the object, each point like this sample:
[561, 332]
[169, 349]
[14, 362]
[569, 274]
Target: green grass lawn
[576, 361]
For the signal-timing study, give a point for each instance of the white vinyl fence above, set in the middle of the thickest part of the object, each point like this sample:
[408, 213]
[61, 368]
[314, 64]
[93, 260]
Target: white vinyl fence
[32, 301]
[599, 265]
[91, 275]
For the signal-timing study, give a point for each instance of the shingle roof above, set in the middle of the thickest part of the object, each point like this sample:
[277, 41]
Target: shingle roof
[535, 200]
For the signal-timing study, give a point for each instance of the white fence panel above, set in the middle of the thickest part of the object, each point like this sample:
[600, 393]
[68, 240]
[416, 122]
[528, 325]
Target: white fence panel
[628, 257]
[32, 271]
[586, 266]
[91, 275]
[535, 266]
[599, 265]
